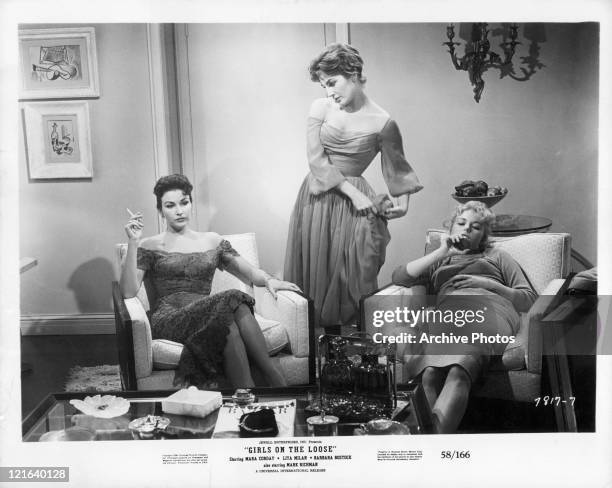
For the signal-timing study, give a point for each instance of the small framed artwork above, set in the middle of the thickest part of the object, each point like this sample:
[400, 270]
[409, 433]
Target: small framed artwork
[57, 139]
[58, 63]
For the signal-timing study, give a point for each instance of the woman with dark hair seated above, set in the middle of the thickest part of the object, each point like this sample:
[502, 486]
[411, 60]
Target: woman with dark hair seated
[219, 332]
[466, 273]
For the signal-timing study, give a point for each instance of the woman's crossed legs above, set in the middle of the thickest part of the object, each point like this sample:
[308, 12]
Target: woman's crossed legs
[245, 341]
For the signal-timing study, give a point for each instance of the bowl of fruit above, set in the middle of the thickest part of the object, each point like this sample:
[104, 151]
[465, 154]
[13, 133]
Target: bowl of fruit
[480, 191]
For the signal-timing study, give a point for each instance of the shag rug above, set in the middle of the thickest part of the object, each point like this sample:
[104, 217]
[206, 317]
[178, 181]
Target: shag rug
[94, 378]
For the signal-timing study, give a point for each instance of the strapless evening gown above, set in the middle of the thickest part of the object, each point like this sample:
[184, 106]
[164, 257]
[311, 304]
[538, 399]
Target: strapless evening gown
[334, 253]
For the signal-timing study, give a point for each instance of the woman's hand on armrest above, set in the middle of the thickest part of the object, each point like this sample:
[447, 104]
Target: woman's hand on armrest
[274, 285]
[240, 267]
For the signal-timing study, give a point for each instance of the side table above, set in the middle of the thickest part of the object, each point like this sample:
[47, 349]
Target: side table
[513, 224]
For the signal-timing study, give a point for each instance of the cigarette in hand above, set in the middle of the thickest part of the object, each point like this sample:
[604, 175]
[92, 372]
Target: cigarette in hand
[132, 215]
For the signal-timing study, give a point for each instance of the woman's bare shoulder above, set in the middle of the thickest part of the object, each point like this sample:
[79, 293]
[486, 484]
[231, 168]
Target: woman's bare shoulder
[209, 239]
[377, 110]
[152, 243]
[319, 108]
[377, 116]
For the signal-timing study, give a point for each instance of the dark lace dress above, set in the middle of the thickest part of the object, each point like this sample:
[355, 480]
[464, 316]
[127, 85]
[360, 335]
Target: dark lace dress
[184, 310]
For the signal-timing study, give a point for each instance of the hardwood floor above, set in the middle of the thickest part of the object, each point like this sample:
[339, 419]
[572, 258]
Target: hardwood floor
[51, 357]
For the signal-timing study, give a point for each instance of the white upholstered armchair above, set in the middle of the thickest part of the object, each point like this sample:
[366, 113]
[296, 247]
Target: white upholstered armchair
[545, 259]
[150, 364]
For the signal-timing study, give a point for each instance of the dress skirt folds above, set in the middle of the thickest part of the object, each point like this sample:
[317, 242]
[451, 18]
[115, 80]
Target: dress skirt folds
[334, 252]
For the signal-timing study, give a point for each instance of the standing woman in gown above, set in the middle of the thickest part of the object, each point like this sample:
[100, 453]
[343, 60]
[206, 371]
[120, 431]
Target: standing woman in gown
[338, 230]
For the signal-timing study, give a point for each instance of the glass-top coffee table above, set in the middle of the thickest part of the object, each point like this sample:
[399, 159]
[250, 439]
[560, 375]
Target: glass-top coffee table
[55, 414]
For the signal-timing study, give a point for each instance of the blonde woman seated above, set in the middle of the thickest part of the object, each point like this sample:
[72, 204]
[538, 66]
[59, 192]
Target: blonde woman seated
[219, 332]
[466, 272]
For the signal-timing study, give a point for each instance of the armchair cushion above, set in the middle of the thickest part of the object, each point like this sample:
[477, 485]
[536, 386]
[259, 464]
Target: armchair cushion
[166, 353]
[274, 333]
[291, 309]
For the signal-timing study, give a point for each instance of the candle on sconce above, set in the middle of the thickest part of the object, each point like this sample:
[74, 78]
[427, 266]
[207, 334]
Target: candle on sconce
[513, 31]
[478, 56]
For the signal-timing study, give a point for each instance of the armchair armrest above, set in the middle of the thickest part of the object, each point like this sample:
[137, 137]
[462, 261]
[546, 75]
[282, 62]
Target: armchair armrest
[387, 298]
[381, 298]
[133, 334]
[545, 302]
[141, 335]
[292, 310]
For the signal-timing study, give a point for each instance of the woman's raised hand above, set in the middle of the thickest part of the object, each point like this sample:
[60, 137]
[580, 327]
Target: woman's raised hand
[452, 244]
[133, 228]
[274, 285]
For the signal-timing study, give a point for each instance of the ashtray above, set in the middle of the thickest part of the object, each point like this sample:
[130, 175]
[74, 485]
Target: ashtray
[261, 423]
[149, 427]
[102, 406]
[384, 427]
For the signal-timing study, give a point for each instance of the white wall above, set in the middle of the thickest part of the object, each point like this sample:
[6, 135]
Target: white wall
[250, 93]
[72, 226]
[538, 138]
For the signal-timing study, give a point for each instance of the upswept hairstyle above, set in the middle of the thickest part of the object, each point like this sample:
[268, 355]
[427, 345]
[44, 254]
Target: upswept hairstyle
[169, 183]
[484, 212]
[337, 59]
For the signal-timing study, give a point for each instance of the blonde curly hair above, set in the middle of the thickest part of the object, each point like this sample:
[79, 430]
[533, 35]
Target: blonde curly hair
[485, 213]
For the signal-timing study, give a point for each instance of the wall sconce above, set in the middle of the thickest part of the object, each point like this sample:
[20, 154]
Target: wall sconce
[478, 56]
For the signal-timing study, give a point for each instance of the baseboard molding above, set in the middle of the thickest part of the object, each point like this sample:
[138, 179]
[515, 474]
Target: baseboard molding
[79, 324]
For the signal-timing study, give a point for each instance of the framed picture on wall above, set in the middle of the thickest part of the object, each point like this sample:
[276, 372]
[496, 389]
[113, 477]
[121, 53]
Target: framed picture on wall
[58, 63]
[57, 139]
